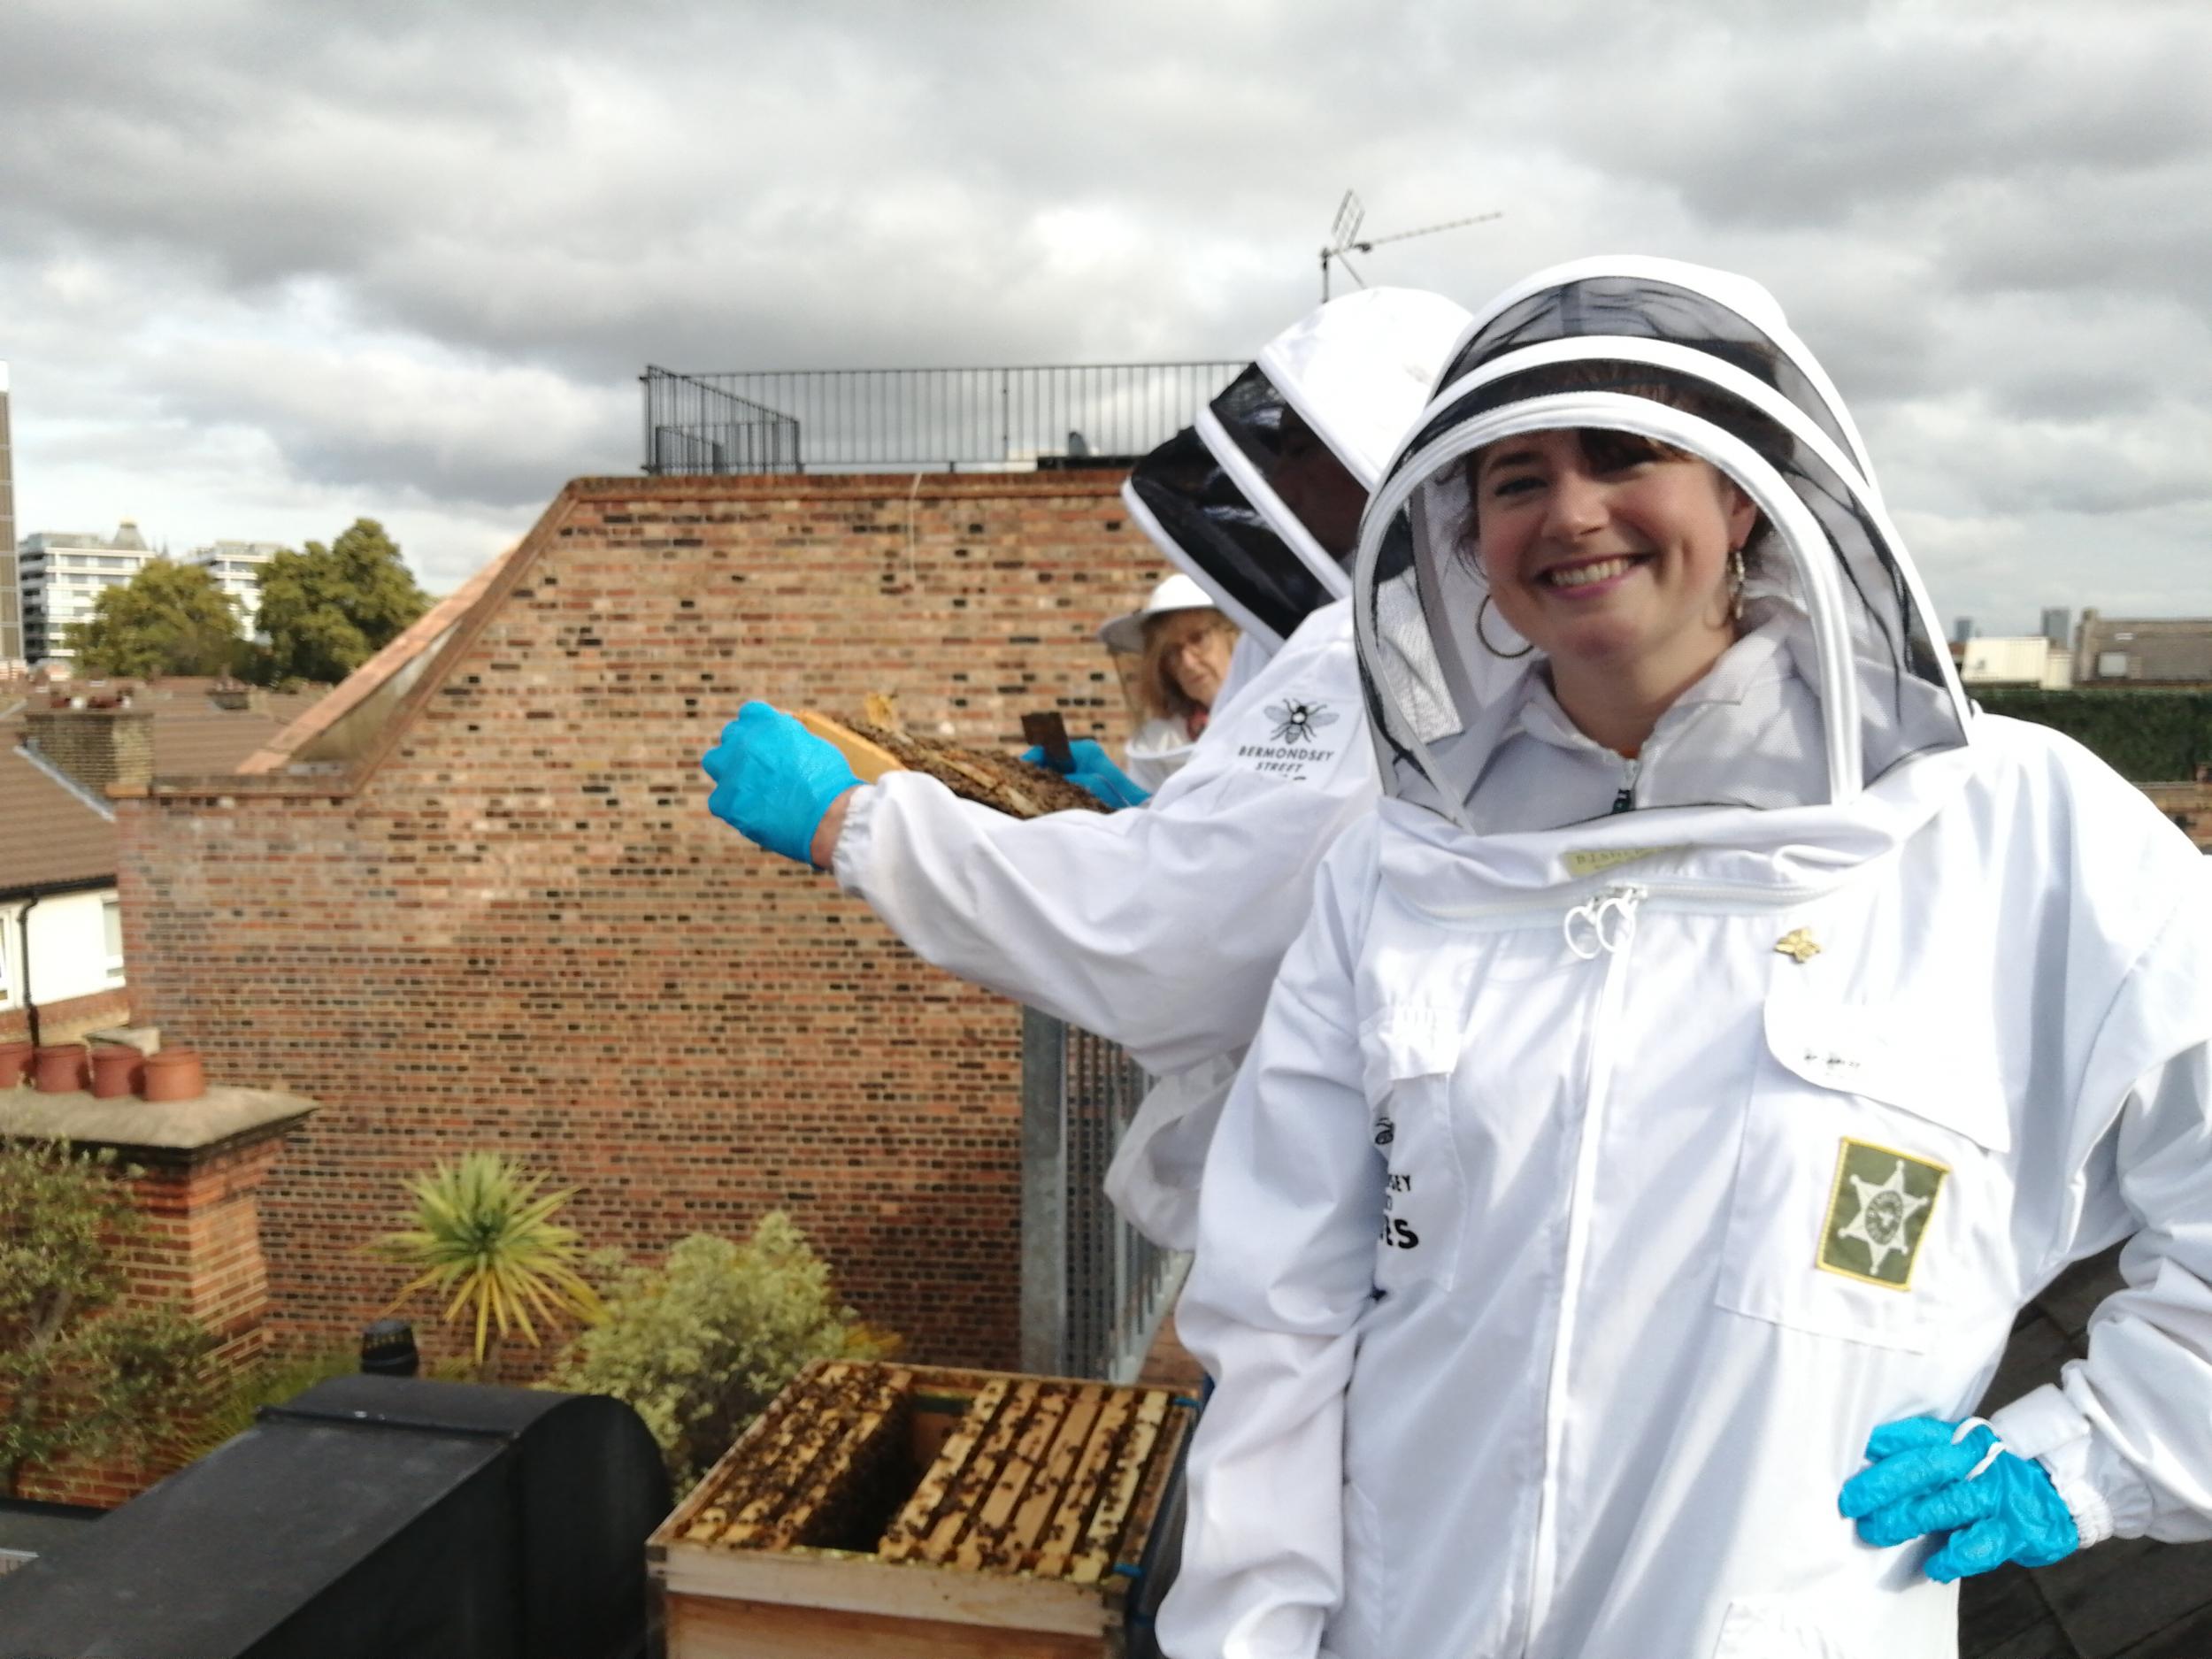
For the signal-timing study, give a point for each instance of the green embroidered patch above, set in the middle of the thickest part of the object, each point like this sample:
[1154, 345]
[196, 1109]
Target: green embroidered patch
[1878, 1214]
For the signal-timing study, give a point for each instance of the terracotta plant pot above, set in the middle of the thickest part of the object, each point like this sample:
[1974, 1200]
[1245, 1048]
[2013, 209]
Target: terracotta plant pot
[172, 1075]
[115, 1069]
[15, 1063]
[58, 1069]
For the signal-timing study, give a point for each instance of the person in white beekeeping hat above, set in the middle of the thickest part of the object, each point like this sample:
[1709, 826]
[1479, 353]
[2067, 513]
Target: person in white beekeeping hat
[1183, 646]
[1161, 928]
[1718, 1034]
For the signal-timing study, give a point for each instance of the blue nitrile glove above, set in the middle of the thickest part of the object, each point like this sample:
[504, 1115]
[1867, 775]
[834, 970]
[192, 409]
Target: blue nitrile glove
[1093, 769]
[774, 779]
[1921, 1479]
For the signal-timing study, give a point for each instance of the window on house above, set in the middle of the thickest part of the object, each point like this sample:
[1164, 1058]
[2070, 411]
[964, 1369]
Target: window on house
[2112, 664]
[112, 921]
[7, 966]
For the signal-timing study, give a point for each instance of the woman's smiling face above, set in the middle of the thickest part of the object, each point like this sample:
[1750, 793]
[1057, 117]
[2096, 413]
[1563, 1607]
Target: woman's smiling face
[1615, 561]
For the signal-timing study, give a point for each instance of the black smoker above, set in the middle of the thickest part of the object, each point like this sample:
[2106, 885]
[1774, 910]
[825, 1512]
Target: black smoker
[371, 1518]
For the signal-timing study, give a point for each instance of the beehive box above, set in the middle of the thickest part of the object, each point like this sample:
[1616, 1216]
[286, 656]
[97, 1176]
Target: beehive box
[879, 1512]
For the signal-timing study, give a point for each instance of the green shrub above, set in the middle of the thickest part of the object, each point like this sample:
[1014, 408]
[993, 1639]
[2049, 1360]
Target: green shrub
[2146, 736]
[699, 1344]
[83, 1372]
[484, 1237]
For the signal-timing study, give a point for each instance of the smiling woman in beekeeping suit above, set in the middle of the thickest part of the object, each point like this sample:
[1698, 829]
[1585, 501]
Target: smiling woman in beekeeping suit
[1719, 1033]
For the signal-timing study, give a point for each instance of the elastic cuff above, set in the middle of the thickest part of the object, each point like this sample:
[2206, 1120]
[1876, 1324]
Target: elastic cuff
[851, 856]
[2093, 1516]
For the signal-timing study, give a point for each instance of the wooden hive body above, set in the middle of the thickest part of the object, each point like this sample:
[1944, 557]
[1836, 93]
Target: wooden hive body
[914, 1512]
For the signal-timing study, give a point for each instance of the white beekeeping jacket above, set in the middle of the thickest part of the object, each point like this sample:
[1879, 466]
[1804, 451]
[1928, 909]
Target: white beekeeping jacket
[1162, 928]
[1600, 1178]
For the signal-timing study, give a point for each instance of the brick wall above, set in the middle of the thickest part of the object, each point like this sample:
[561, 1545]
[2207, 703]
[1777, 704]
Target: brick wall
[199, 1247]
[524, 932]
[69, 1020]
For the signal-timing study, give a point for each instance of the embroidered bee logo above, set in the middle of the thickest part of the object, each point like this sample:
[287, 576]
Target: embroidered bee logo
[1296, 722]
[1799, 946]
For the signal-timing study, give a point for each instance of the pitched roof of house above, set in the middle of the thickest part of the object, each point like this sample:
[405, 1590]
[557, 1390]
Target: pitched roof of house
[52, 833]
[49, 835]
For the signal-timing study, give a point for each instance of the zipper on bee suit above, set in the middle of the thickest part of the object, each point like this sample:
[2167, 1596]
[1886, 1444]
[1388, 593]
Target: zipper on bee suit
[1603, 926]
[1626, 801]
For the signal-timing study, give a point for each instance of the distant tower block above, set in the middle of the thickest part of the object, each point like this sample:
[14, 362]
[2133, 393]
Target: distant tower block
[11, 594]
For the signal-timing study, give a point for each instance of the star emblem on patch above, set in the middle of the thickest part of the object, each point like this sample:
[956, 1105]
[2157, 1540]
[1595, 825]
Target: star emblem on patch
[1879, 1212]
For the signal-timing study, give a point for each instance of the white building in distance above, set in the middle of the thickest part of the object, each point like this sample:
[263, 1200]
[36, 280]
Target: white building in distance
[236, 566]
[59, 574]
[2024, 660]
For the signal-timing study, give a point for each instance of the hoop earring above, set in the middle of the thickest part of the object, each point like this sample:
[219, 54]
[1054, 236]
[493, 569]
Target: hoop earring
[1482, 611]
[1736, 575]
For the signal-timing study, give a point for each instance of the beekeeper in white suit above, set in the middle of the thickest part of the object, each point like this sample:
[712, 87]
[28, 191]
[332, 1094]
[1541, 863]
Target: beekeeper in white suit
[1179, 648]
[1718, 1034]
[1159, 928]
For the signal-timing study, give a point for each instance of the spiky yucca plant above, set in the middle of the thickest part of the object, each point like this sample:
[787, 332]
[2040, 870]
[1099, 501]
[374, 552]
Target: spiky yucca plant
[484, 1237]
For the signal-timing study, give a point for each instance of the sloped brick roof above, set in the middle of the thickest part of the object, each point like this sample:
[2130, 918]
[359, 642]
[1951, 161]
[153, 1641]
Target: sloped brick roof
[317, 727]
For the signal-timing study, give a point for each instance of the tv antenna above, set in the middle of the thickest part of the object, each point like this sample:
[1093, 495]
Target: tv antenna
[1344, 237]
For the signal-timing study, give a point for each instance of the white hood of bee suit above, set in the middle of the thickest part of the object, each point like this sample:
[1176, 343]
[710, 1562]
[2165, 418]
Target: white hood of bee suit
[1356, 371]
[1841, 679]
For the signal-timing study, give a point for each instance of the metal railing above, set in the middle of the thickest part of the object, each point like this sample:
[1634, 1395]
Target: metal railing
[692, 426]
[1002, 419]
[1093, 1288]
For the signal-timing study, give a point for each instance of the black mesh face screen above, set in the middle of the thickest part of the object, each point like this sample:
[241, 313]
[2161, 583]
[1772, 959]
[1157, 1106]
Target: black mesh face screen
[1885, 619]
[1642, 308]
[1224, 536]
[1823, 553]
[1295, 462]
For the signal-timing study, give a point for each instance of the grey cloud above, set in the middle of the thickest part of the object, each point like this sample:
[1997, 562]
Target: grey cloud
[468, 229]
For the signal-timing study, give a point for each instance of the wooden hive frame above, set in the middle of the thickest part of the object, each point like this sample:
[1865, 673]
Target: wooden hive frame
[879, 745]
[1029, 1523]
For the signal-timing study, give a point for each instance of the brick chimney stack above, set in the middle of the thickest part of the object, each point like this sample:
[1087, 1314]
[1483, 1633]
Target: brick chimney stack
[95, 747]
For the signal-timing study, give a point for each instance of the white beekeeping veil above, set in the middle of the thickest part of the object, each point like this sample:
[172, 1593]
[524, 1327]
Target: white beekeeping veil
[1698, 359]
[1259, 501]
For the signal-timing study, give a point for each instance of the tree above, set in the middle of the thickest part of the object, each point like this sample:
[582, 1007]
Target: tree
[699, 1345]
[169, 619]
[81, 1374]
[327, 610]
[484, 1236]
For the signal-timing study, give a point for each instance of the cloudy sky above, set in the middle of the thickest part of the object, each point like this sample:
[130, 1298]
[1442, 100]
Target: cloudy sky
[267, 265]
